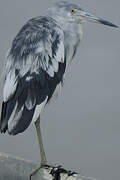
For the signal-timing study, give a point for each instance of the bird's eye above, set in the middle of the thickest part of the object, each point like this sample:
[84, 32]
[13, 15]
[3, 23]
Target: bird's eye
[73, 11]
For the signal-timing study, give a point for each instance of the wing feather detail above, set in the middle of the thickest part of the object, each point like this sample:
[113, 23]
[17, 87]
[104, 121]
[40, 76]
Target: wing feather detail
[10, 85]
[43, 49]
[35, 66]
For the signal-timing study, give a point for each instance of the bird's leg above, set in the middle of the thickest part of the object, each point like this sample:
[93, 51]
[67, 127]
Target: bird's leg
[39, 135]
[42, 152]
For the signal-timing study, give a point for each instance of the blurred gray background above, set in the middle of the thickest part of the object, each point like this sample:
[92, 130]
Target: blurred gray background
[81, 130]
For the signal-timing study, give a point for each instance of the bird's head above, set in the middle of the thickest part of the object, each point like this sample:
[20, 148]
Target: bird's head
[72, 13]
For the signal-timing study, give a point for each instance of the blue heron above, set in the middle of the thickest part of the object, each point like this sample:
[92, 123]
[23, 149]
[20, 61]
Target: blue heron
[36, 64]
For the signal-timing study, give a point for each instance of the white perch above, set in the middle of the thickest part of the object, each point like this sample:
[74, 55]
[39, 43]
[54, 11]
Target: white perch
[12, 168]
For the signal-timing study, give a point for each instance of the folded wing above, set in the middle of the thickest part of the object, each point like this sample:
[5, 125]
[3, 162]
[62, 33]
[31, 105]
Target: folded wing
[35, 66]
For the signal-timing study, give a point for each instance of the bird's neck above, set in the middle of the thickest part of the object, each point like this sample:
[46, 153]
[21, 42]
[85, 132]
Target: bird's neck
[72, 34]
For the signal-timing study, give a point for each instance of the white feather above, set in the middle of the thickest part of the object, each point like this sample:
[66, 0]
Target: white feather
[50, 71]
[15, 116]
[26, 65]
[9, 86]
[55, 65]
[38, 110]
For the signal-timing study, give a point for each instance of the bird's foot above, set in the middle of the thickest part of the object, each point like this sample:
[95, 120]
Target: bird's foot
[40, 166]
[35, 171]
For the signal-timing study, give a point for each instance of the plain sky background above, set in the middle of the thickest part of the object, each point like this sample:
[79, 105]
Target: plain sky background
[81, 130]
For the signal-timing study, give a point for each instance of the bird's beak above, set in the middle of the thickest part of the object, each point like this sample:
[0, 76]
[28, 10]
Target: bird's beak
[89, 17]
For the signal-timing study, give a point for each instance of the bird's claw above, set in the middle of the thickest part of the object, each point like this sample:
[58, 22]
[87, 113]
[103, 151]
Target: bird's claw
[35, 171]
[47, 165]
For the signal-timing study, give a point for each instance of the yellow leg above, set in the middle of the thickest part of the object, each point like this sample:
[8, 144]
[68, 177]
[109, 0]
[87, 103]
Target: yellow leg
[42, 152]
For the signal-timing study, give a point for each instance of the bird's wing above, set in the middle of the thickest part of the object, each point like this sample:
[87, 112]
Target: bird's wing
[34, 67]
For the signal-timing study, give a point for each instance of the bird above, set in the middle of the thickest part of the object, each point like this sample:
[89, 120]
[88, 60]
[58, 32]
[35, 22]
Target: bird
[36, 64]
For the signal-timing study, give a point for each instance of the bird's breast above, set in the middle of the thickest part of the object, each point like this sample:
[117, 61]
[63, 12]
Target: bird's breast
[72, 39]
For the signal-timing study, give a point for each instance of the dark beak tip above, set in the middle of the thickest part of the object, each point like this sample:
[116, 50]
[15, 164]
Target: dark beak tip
[107, 23]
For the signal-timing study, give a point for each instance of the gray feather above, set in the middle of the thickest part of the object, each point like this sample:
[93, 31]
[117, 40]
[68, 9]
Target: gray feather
[35, 65]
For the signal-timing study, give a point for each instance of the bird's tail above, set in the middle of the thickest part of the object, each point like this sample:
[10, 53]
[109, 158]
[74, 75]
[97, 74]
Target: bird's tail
[15, 119]
[3, 122]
